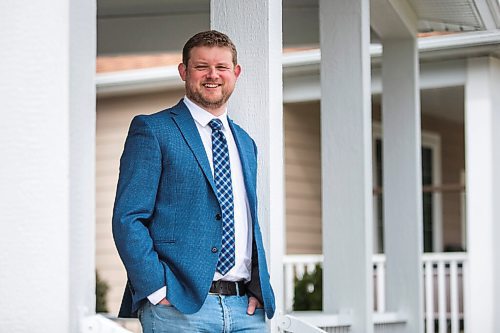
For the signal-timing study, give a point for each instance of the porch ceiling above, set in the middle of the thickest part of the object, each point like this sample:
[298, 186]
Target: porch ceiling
[113, 8]
[442, 103]
[130, 26]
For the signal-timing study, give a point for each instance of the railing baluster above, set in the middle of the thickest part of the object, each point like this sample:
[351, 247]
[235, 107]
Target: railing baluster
[429, 297]
[380, 269]
[441, 297]
[465, 299]
[454, 297]
[289, 286]
[299, 270]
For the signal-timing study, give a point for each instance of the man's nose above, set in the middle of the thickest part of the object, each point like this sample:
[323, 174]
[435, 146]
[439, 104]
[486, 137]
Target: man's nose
[212, 72]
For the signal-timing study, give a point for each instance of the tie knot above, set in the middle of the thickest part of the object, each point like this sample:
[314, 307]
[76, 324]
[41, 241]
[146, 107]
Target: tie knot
[215, 124]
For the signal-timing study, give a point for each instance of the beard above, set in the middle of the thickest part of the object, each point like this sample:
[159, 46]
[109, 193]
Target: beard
[208, 102]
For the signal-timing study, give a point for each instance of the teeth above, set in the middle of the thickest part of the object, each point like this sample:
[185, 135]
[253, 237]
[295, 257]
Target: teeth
[211, 85]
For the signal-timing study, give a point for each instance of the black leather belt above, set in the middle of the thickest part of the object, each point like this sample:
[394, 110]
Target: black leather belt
[228, 288]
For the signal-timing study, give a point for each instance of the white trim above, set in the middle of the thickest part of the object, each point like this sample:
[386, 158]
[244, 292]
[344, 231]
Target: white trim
[429, 47]
[305, 86]
[429, 140]
[463, 212]
[433, 141]
[138, 80]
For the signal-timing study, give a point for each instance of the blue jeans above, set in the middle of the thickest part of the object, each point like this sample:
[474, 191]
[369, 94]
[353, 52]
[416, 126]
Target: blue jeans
[219, 314]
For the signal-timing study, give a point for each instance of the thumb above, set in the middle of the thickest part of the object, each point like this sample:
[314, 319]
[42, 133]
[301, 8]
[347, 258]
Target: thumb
[252, 304]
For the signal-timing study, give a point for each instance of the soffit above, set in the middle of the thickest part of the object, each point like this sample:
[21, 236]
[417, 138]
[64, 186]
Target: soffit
[454, 15]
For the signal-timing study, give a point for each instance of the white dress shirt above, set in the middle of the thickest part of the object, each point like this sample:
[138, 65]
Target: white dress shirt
[242, 218]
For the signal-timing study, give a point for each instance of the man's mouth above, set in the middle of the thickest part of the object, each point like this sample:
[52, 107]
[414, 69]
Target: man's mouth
[211, 85]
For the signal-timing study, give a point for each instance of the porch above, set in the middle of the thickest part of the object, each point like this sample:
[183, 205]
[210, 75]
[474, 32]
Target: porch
[48, 134]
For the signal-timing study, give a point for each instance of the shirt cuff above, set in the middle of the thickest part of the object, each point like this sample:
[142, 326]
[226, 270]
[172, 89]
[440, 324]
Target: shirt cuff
[158, 295]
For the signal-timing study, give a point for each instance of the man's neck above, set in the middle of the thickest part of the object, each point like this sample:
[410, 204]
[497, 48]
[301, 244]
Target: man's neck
[216, 112]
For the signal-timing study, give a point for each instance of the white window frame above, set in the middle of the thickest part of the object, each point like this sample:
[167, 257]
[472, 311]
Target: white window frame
[430, 140]
[463, 207]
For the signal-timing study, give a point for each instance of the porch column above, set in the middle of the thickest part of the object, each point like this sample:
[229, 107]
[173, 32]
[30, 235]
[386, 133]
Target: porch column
[257, 104]
[395, 23]
[402, 181]
[47, 144]
[82, 124]
[346, 154]
[482, 135]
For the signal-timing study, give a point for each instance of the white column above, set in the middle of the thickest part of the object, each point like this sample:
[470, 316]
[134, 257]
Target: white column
[82, 55]
[346, 155]
[257, 104]
[482, 135]
[46, 174]
[402, 185]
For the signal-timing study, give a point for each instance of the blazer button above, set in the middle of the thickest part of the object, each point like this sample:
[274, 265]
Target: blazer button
[214, 250]
[218, 217]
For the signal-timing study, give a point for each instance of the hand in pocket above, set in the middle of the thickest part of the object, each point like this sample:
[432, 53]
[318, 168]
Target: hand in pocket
[165, 302]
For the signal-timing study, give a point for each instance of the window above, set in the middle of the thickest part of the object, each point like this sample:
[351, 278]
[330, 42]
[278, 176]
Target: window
[431, 199]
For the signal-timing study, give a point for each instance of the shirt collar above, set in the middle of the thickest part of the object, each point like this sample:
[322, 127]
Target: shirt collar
[202, 116]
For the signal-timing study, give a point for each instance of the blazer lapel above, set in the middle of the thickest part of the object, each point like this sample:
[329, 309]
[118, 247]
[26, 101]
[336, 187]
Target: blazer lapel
[185, 122]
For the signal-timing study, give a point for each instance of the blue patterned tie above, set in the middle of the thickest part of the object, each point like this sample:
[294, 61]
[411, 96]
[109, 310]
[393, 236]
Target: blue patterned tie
[222, 177]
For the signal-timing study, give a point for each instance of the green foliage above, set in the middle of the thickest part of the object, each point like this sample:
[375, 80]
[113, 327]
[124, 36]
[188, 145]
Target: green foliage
[101, 290]
[309, 291]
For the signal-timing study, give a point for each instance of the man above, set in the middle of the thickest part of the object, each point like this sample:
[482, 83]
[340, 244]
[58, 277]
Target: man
[185, 215]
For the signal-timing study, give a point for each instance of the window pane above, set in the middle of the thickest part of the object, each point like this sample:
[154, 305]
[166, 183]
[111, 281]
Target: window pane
[427, 199]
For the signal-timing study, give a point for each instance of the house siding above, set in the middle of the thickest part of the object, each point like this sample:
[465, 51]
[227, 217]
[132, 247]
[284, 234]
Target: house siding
[303, 178]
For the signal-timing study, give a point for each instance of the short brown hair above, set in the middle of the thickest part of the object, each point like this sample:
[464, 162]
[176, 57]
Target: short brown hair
[211, 38]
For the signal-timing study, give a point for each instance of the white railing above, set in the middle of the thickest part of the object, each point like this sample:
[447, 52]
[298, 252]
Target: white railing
[444, 284]
[445, 275]
[320, 322]
[100, 324]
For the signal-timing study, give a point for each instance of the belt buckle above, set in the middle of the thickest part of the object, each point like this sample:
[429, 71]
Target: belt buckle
[218, 287]
[215, 287]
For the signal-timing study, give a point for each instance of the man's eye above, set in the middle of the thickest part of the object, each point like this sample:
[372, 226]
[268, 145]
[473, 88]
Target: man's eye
[201, 67]
[222, 68]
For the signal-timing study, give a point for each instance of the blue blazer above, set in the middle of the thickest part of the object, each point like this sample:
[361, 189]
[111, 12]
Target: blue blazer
[164, 218]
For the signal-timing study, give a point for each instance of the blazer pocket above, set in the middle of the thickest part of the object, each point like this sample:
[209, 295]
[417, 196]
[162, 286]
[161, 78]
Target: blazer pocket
[164, 241]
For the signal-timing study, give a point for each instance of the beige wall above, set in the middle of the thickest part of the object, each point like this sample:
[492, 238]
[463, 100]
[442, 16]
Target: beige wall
[113, 119]
[303, 178]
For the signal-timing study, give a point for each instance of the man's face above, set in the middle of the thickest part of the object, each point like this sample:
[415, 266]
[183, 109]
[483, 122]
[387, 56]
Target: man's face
[210, 77]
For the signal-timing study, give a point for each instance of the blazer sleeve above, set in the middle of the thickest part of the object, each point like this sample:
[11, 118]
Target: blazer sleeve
[140, 171]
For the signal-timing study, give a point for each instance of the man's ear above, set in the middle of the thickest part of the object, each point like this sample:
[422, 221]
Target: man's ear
[237, 70]
[182, 71]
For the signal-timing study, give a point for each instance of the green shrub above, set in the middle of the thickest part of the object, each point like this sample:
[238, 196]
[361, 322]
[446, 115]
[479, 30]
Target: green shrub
[101, 290]
[309, 291]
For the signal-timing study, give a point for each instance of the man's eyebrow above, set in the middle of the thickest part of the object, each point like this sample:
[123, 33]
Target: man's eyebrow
[200, 62]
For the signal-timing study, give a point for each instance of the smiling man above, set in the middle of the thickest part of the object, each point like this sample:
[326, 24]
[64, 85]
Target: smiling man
[185, 215]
